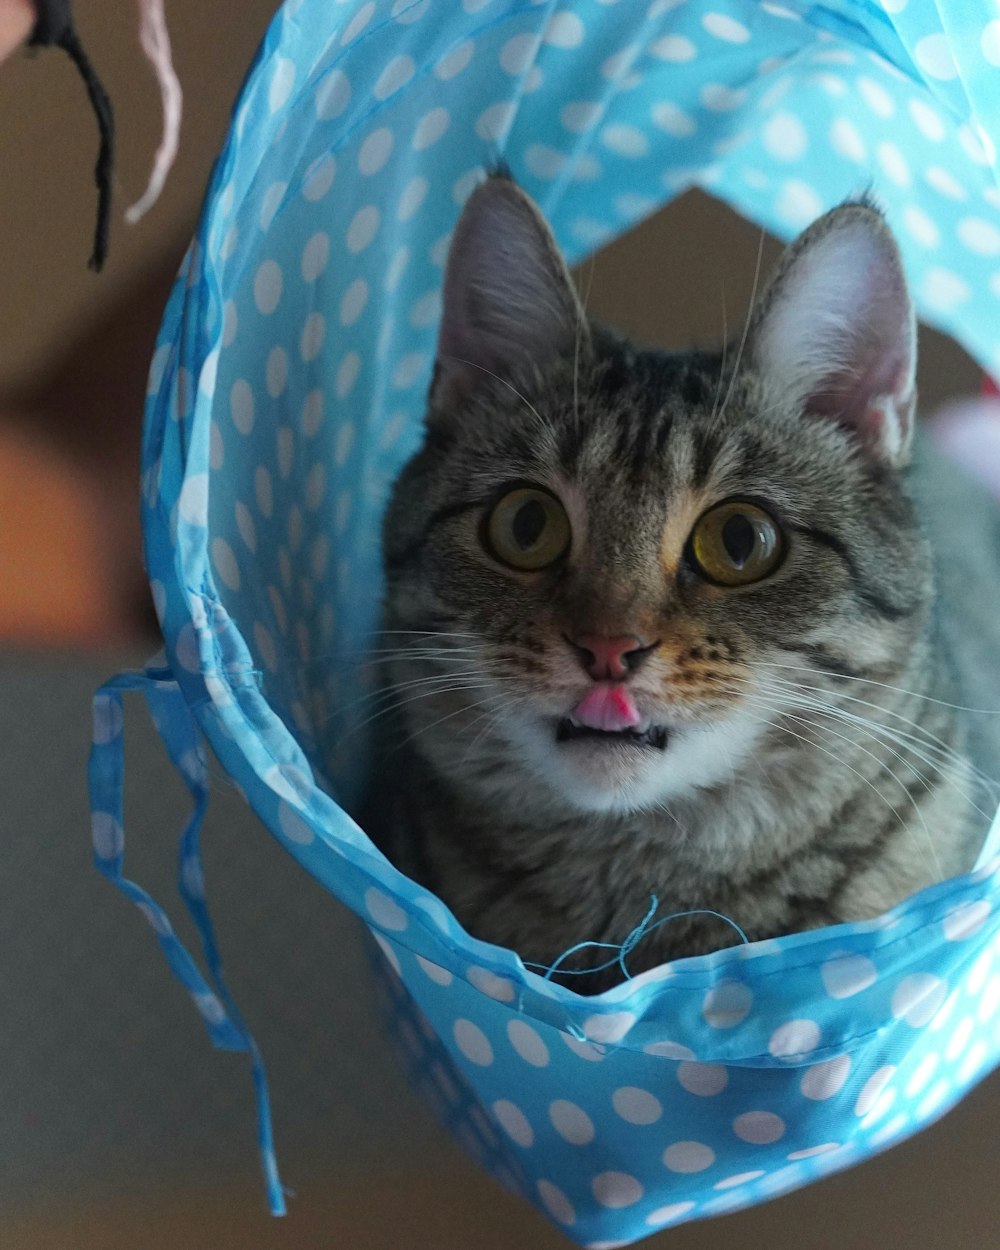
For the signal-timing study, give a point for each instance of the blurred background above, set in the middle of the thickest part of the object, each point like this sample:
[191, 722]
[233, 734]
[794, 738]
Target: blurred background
[119, 1127]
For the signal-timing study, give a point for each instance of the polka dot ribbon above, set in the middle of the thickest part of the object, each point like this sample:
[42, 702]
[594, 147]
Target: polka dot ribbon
[106, 771]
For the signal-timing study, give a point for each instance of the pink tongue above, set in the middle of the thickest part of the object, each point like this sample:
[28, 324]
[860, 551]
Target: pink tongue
[607, 706]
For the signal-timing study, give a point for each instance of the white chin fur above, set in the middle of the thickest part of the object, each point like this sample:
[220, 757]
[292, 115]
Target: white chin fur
[592, 778]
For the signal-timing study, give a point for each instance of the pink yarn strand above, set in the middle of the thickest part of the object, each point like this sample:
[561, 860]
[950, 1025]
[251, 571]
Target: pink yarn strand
[155, 42]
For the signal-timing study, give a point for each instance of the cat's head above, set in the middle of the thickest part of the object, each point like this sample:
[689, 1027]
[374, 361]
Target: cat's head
[606, 554]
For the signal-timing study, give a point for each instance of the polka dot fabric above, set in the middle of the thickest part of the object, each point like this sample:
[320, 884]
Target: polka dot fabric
[287, 390]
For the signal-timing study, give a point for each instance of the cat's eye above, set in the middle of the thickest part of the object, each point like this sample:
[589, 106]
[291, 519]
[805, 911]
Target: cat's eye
[736, 543]
[528, 529]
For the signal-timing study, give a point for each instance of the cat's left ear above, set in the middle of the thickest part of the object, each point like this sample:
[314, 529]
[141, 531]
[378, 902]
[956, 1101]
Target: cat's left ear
[835, 331]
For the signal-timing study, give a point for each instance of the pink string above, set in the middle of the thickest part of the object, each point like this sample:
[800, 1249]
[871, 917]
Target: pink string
[155, 42]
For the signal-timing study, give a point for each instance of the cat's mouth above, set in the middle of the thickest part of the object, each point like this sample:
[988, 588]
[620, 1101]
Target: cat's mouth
[655, 736]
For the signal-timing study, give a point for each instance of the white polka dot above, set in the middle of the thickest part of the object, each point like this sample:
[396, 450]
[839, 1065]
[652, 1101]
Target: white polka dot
[979, 972]
[876, 97]
[921, 226]
[608, 1028]
[846, 141]
[945, 183]
[922, 1074]
[332, 96]
[571, 1122]
[989, 41]
[968, 918]
[192, 504]
[282, 81]
[556, 1202]
[315, 255]
[492, 122]
[579, 116]
[944, 289]
[873, 1089]
[785, 137]
[358, 22]
[514, 1122]
[263, 491]
[426, 310]
[499, 988]
[375, 151]
[319, 554]
[246, 527]
[959, 1039]
[230, 323]
[285, 441]
[267, 285]
[318, 178]
[616, 1190]
[107, 835]
[742, 1178]
[894, 164]
[518, 53]
[704, 1079]
[291, 824]
[224, 560]
[431, 127]
[265, 648]
[312, 336]
[565, 30]
[276, 372]
[759, 1128]
[353, 302]
[241, 406]
[933, 55]
[797, 203]
[989, 1001]
[846, 975]
[453, 62]
[832, 84]
[408, 369]
[674, 49]
[794, 1038]
[810, 1152]
[216, 447]
[823, 1080]
[669, 1214]
[725, 28]
[385, 912]
[434, 972]
[414, 194]
[583, 1049]
[315, 486]
[527, 1043]
[717, 97]
[673, 120]
[347, 374]
[688, 1157]
[636, 1106]
[278, 608]
[108, 717]
[626, 141]
[363, 228]
[983, 238]
[396, 74]
[727, 1005]
[927, 120]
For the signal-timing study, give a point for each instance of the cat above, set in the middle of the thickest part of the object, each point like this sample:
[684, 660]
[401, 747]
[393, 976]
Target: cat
[661, 625]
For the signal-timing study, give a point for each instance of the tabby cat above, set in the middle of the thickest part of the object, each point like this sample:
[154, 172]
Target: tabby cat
[661, 625]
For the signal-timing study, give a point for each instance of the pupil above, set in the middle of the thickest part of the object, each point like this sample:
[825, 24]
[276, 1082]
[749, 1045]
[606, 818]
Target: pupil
[739, 537]
[528, 524]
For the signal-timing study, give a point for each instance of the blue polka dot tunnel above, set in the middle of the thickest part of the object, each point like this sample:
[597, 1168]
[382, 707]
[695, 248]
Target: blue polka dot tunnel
[288, 388]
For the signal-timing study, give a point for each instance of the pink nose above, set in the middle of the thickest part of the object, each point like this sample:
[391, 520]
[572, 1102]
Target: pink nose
[608, 659]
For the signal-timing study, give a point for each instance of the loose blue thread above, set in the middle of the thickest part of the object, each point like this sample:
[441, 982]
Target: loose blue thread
[641, 930]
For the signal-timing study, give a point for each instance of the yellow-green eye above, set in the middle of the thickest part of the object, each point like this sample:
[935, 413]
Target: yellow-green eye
[736, 543]
[528, 529]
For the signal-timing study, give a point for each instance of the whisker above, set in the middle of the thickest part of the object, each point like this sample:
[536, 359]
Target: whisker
[746, 325]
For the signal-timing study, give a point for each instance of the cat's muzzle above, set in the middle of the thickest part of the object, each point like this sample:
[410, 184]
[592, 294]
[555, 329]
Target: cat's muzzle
[655, 736]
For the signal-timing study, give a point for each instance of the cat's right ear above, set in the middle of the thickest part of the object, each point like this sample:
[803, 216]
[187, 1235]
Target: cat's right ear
[510, 307]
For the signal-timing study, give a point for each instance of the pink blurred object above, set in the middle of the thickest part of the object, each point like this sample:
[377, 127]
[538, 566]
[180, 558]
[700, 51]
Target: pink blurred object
[968, 430]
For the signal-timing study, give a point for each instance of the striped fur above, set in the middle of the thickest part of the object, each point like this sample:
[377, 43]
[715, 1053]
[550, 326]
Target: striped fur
[809, 775]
